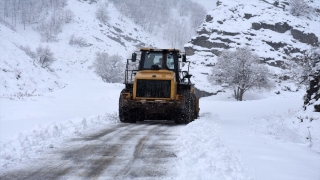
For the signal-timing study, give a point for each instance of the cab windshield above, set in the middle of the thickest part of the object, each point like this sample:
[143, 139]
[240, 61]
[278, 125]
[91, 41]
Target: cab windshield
[155, 58]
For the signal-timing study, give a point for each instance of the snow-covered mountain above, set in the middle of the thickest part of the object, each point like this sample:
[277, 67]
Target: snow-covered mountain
[265, 26]
[41, 108]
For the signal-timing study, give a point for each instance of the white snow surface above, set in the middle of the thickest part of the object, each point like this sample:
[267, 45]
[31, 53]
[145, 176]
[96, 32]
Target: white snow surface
[259, 138]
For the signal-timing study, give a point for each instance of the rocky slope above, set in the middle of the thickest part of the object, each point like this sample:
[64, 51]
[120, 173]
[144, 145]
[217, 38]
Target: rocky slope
[266, 26]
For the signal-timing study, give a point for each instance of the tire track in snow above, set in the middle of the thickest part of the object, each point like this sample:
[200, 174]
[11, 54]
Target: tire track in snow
[144, 150]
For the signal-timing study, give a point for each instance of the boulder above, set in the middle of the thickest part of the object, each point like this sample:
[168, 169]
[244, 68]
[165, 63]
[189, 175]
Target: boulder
[308, 38]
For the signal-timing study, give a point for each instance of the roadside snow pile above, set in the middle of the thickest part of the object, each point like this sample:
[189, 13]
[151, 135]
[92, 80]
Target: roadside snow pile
[203, 154]
[33, 144]
[293, 126]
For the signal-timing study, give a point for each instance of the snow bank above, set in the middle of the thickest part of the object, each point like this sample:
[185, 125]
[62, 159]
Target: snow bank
[33, 144]
[203, 154]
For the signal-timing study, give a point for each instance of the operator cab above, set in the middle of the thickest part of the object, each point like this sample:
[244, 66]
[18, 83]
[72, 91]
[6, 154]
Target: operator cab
[160, 59]
[155, 61]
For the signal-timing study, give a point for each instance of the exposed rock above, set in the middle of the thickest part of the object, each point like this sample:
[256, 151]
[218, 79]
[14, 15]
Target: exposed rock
[225, 33]
[215, 52]
[278, 27]
[277, 63]
[313, 92]
[251, 34]
[282, 27]
[248, 16]
[258, 26]
[290, 50]
[141, 44]
[220, 22]
[203, 31]
[276, 45]
[284, 78]
[218, 3]
[223, 40]
[203, 41]
[117, 29]
[201, 93]
[309, 38]
[189, 50]
[209, 18]
[118, 40]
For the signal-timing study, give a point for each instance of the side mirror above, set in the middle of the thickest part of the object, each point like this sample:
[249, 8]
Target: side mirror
[184, 58]
[134, 57]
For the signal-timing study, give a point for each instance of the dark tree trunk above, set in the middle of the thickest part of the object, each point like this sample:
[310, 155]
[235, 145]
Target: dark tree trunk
[241, 94]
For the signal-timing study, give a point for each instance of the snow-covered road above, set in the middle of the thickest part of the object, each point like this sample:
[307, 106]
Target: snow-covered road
[120, 151]
[260, 138]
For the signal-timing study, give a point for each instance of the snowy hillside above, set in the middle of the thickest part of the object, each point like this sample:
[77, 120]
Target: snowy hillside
[266, 27]
[267, 136]
[20, 75]
[25, 76]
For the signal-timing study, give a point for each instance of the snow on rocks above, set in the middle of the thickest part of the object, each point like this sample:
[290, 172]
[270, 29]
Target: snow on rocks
[203, 154]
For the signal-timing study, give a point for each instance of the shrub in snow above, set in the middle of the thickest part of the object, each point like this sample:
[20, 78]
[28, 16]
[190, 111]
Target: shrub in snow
[77, 41]
[302, 67]
[109, 68]
[102, 14]
[311, 63]
[241, 70]
[45, 56]
[300, 8]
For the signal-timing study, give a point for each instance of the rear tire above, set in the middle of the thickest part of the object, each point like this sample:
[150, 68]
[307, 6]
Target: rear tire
[194, 105]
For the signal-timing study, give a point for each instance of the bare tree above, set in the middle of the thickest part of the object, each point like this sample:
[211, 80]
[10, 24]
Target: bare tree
[44, 56]
[31, 11]
[109, 68]
[240, 70]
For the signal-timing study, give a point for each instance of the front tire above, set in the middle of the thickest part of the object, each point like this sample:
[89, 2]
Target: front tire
[187, 114]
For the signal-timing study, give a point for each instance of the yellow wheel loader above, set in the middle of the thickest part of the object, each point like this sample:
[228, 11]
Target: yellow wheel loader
[157, 89]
